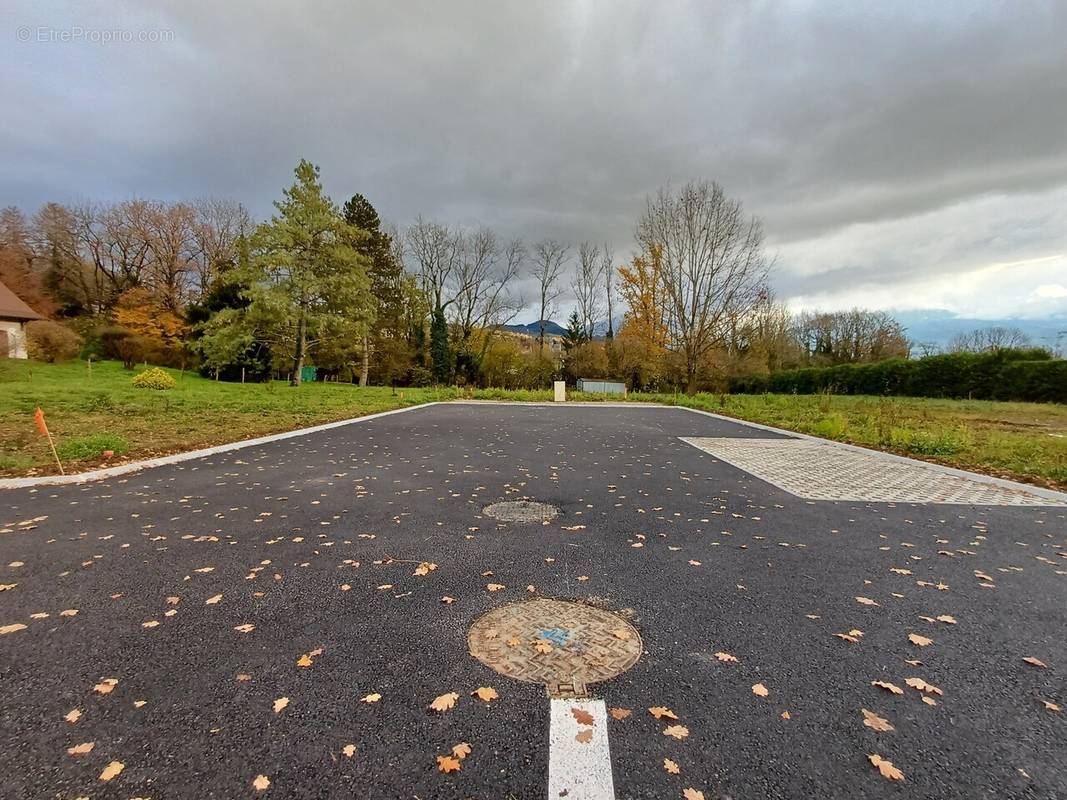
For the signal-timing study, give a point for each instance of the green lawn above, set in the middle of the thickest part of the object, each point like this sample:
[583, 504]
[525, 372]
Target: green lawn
[91, 414]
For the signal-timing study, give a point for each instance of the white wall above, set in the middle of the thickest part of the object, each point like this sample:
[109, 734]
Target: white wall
[16, 338]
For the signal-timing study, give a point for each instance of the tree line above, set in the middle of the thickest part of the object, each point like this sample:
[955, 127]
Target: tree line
[331, 286]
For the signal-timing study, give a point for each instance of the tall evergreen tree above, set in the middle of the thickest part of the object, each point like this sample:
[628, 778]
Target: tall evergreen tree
[440, 353]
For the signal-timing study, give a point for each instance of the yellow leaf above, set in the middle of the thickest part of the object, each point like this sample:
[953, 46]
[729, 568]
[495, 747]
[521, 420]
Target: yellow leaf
[448, 764]
[676, 731]
[875, 722]
[349, 750]
[760, 690]
[111, 770]
[887, 686]
[261, 783]
[541, 646]
[280, 704]
[304, 661]
[726, 657]
[886, 768]
[671, 766]
[692, 794]
[80, 749]
[918, 640]
[371, 698]
[444, 702]
[486, 693]
[659, 712]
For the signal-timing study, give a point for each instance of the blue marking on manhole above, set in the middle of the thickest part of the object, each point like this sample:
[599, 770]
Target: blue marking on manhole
[557, 636]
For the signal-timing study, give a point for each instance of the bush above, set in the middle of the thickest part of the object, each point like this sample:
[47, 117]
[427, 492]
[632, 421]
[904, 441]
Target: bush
[51, 342]
[92, 446]
[1026, 375]
[154, 378]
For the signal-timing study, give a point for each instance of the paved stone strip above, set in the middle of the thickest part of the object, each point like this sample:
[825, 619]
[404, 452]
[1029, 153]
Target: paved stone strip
[579, 758]
[817, 470]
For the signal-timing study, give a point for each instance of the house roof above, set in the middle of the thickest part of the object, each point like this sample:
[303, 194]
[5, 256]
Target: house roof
[12, 306]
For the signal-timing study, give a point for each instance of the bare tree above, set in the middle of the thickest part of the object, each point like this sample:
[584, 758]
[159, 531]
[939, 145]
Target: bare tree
[586, 287]
[217, 229]
[437, 251]
[989, 340]
[714, 267]
[548, 257]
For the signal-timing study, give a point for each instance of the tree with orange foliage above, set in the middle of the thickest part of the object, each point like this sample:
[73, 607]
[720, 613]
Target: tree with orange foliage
[141, 314]
[641, 287]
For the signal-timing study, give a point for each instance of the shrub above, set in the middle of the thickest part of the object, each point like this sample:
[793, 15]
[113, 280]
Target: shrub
[51, 342]
[92, 446]
[154, 378]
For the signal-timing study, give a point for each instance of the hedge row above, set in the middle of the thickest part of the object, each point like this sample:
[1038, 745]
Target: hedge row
[1027, 375]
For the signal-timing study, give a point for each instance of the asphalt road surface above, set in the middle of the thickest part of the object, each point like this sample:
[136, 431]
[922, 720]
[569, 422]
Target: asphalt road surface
[170, 614]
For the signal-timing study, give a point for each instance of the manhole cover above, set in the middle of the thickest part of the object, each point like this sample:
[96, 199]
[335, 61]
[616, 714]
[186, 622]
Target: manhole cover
[521, 511]
[560, 644]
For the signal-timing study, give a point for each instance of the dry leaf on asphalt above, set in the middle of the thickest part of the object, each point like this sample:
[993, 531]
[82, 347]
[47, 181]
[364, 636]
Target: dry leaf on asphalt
[494, 587]
[349, 750]
[444, 702]
[371, 698]
[659, 712]
[921, 641]
[866, 601]
[726, 657]
[485, 693]
[261, 783]
[671, 766]
[448, 600]
[584, 737]
[692, 794]
[448, 764]
[581, 716]
[15, 627]
[245, 628]
[922, 686]
[106, 685]
[80, 749]
[760, 690]
[73, 715]
[886, 767]
[280, 704]
[213, 600]
[676, 731]
[620, 713]
[875, 722]
[1036, 662]
[887, 686]
[461, 750]
[424, 568]
[1050, 706]
[111, 770]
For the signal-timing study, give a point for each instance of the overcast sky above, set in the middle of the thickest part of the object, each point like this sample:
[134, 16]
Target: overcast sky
[902, 155]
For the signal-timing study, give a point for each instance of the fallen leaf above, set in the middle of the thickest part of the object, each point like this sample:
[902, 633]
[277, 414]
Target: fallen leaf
[349, 750]
[1050, 706]
[448, 764]
[866, 601]
[461, 750]
[213, 600]
[659, 712]
[14, 627]
[692, 794]
[584, 737]
[246, 628]
[424, 568]
[106, 685]
[671, 766]
[620, 713]
[494, 587]
[73, 716]
[445, 701]
[726, 657]
[304, 661]
[486, 693]
[621, 633]
[887, 686]
[541, 646]
[280, 704]
[371, 698]
[581, 716]
[80, 749]
[760, 690]
[922, 686]
[947, 618]
[448, 600]
[847, 637]
[886, 768]
[676, 731]
[261, 783]
[1036, 662]
[918, 640]
[875, 722]
[111, 770]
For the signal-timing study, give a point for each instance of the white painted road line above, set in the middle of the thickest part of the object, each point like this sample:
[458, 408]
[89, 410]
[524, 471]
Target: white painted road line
[579, 760]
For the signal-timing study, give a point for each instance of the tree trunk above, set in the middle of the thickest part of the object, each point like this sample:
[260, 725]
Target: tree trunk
[364, 370]
[298, 358]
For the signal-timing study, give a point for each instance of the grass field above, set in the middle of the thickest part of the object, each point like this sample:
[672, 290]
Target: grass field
[91, 414]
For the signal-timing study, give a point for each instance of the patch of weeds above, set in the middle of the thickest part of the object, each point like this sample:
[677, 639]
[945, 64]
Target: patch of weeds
[93, 445]
[832, 426]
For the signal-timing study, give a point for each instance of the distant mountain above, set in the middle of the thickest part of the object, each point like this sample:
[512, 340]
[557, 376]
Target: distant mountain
[937, 326]
[531, 328]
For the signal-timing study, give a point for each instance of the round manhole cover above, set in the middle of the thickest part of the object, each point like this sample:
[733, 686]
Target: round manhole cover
[563, 645]
[521, 511]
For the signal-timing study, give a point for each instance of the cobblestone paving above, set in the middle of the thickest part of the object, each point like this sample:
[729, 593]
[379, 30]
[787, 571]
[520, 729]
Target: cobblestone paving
[825, 471]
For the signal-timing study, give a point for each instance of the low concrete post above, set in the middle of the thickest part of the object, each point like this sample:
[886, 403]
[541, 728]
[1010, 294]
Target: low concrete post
[561, 391]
